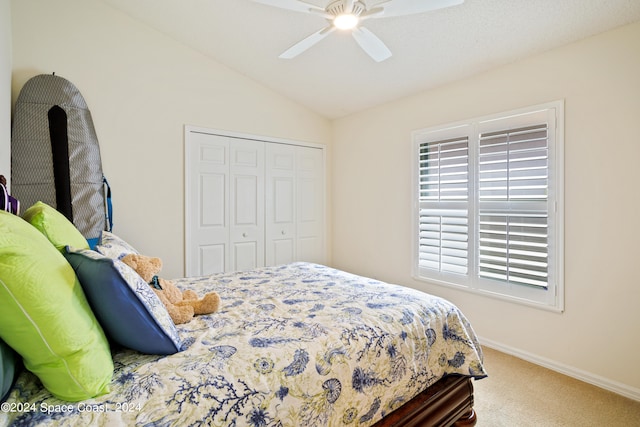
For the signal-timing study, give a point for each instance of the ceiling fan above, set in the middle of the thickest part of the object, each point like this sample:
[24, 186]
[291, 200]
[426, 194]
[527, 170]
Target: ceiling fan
[347, 15]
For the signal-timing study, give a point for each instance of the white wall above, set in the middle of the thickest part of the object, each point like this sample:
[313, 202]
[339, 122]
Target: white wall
[597, 337]
[5, 89]
[142, 88]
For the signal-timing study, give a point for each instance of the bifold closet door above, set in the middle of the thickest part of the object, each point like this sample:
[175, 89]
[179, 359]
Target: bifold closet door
[294, 204]
[224, 204]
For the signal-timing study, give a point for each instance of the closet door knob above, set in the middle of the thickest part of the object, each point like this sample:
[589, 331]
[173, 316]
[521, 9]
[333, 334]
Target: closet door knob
[244, 234]
[283, 232]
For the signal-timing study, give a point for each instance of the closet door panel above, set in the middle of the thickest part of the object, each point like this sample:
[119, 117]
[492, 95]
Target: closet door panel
[246, 201]
[212, 195]
[246, 255]
[283, 200]
[212, 259]
[280, 204]
[208, 162]
[246, 234]
[281, 251]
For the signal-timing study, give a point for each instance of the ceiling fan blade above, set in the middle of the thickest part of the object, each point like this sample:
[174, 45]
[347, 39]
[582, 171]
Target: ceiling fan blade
[323, 13]
[408, 7]
[348, 5]
[295, 5]
[306, 43]
[371, 44]
[372, 13]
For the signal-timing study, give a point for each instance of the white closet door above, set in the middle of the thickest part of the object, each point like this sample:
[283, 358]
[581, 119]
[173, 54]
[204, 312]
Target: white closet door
[280, 204]
[225, 204]
[295, 204]
[251, 202]
[246, 235]
[207, 209]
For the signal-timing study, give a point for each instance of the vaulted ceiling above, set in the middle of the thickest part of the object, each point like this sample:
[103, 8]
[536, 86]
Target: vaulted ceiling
[336, 78]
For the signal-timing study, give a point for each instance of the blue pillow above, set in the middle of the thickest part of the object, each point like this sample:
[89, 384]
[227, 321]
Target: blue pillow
[9, 363]
[129, 311]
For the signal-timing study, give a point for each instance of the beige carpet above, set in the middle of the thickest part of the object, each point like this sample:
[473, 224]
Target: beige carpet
[519, 394]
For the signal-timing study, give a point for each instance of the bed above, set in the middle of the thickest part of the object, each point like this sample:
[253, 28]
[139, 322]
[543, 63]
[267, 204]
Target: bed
[292, 345]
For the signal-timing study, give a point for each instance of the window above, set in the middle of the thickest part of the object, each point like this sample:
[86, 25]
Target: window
[489, 205]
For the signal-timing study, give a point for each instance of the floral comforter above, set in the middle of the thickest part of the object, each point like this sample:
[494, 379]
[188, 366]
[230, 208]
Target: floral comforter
[293, 345]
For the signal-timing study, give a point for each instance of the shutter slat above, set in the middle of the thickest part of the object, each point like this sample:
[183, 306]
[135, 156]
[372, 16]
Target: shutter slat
[444, 240]
[513, 164]
[444, 170]
[513, 247]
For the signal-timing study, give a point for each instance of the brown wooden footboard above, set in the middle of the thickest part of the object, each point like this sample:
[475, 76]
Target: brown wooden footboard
[449, 402]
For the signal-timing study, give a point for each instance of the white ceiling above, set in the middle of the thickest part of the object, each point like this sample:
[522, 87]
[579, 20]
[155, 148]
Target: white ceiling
[336, 78]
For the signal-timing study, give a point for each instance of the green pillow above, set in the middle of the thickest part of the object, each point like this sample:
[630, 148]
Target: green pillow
[45, 317]
[58, 229]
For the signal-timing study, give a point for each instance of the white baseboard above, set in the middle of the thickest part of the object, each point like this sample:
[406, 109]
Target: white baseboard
[588, 377]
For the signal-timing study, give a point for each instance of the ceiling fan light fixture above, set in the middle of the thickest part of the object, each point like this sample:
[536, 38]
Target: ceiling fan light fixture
[346, 15]
[346, 21]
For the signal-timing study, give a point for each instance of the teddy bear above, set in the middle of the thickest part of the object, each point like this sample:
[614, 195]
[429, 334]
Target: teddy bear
[181, 305]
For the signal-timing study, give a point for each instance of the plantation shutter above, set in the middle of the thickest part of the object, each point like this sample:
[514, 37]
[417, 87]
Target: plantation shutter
[513, 220]
[444, 194]
[489, 205]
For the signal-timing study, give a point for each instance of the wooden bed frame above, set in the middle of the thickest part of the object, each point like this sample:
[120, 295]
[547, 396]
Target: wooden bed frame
[449, 402]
